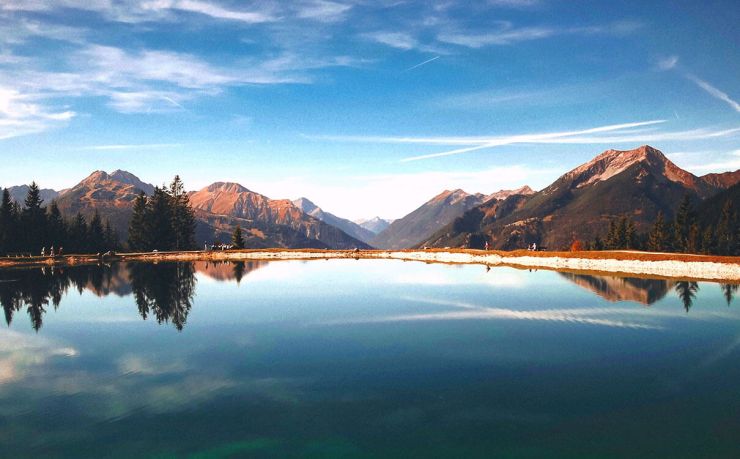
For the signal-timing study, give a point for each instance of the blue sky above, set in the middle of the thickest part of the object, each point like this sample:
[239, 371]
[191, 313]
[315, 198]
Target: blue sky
[365, 107]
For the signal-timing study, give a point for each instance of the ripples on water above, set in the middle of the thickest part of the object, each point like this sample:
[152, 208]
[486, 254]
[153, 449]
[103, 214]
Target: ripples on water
[363, 358]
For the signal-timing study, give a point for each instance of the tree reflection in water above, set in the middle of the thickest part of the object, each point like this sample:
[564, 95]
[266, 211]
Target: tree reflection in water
[164, 290]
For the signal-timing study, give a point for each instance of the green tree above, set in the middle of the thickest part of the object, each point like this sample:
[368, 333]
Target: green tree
[658, 236]
[56, 227]
[159, 221]
[96, 234]
[33, 219]
[138, 240]
[727, 231]
[682, 225]
[237, 239]
[707, 240]
[8, 224]
[110, 237]
[78, 242]
[183, 217]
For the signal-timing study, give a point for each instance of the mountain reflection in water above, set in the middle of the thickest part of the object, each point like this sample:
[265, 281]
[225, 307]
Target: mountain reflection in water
[166, 291]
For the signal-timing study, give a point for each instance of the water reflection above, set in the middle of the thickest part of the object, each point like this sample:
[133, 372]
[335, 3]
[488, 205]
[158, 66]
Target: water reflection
[166, 291]
[644, 291]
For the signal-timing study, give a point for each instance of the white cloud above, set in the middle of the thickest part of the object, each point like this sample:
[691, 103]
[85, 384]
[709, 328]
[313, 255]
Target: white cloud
[504, 33]
[145, 146]
[667, 63]
[323, 10]
[620, 133]
[400, 40]
[21, 114]
[716, 93]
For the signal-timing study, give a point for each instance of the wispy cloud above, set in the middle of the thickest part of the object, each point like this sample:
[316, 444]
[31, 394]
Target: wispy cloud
[714, 92]
[505, 33]
[21, 115]
[619, 133]
[140, 146]
[422, 63]
[667, 63]
[399, 40]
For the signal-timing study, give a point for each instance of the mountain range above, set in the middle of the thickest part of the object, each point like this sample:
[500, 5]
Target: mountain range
[580, 204]
[439, 211]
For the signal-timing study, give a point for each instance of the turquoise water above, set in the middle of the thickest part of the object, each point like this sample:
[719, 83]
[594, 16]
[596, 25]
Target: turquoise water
[365, 358]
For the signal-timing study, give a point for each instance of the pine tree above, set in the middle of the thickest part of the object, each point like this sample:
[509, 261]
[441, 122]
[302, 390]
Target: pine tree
[682, 224]
[78, 235]
[33, 219]
[138, 240]
[96, 234]
[692, 239]
[237, 239]
[726, 230]
[630, 235]
[110, 237]
[56, 227]
[8, 224]
[159, 221]
[183, 218]
[658, 236]
[707, 240]
[612, 236]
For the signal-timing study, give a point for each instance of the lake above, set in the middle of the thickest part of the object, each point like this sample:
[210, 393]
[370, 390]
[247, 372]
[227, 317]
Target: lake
[364, 358]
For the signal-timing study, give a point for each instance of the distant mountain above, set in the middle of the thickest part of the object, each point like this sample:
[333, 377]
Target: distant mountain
[349, 227]
[374, 225]
[266, 222]
[503, 194]
[638, 183]
[18, 194]
[424, 221]
[111, 195]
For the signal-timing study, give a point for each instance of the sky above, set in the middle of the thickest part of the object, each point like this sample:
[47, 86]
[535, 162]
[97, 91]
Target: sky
[366, 107]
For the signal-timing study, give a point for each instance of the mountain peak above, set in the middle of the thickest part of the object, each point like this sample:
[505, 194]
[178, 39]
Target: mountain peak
[305, 205]
[226, 187]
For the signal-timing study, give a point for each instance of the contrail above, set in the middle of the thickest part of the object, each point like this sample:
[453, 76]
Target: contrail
[423, 63]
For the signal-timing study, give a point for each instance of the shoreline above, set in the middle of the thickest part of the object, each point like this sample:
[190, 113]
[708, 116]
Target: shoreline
[619, 263]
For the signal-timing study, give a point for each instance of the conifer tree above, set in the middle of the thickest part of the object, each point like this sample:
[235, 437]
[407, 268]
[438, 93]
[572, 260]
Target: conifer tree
[727, 230]
[237, 239]
[110, 237]
[183, 218]
[159, 221]
[78, 235]
[33, 219]
[658, 236]
[7, 224]
[682, 225]
[96, 234]
[707, 240]
[137, 235]
[56, 227]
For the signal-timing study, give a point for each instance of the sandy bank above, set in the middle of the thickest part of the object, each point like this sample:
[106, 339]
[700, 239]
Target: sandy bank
[695, 267]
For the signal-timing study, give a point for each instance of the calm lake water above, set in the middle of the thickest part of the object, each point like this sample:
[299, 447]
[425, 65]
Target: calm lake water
[366, 358]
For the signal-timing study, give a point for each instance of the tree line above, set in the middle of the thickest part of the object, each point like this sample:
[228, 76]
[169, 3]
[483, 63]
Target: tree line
[163, 221]
[686, 233]
[30, 227]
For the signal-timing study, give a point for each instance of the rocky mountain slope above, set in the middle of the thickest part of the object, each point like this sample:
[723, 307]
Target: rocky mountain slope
[266, 222]
[349, 227]
[430, 216]
[111, 195]
[638, 183]
[18, 194]
[374, 225]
